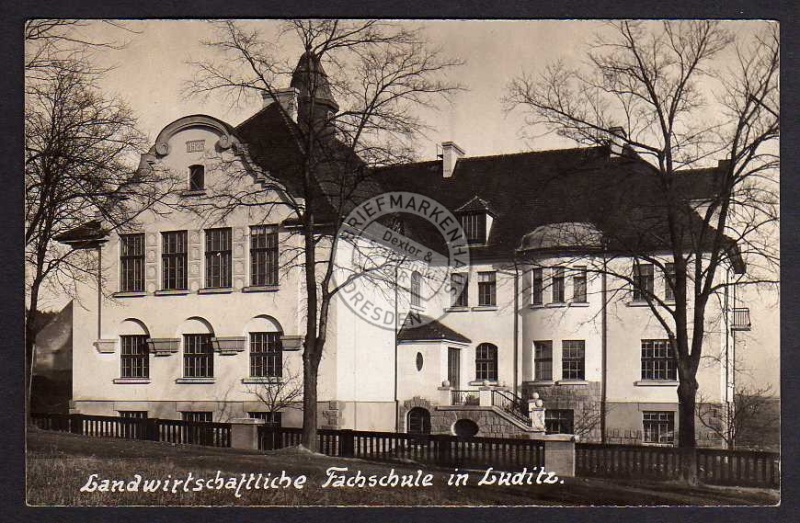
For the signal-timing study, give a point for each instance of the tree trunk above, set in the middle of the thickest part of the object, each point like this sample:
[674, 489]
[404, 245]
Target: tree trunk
[687, 393]
[310, 372]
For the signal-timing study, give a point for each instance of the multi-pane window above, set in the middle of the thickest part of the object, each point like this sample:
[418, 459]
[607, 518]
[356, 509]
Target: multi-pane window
[271, 418]
[134, 357]
[487, 289]
[657, 360]
[266, 356]
[198, 356]
[559, 421]
[454, 367]
[263, 255]
[131, 262]
[486, 362]
[543, 358]
[573, 359]
[133, 414]
[558, 285]
[642, 281]
[416, 289]
[173, 260]
[474, 225]
[458, 282]
[218, 258]
[669, 282]
[579, 285]
[197, 178]
[419, 421]
[659, 427]
[537, 294]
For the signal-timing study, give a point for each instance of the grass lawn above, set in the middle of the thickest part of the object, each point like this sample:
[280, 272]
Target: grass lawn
[59, 464]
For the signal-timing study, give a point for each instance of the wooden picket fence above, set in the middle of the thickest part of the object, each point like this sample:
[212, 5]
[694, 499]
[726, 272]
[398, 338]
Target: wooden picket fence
[714, 466]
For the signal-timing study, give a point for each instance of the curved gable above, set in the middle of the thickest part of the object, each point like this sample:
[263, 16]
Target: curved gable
[225, 132]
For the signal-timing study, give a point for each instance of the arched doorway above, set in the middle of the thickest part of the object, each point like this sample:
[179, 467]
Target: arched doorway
[419, 421]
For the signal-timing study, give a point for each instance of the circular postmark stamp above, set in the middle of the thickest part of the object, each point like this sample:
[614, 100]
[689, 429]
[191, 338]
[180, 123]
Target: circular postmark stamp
[401, 259]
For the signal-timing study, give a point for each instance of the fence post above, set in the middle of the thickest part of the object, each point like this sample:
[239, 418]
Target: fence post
[559, 455]
[151, 432]
[441, 449]
[347, 443]
[76, 423]
[244, 433]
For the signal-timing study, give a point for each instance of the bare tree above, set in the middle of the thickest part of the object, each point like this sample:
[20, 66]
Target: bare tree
[282, 393]
[749, 417]
[79, 149]
[357, 115]
[659, 91]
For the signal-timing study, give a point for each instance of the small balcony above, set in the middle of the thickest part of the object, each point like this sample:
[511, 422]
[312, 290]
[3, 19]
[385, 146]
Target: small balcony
[741, 319]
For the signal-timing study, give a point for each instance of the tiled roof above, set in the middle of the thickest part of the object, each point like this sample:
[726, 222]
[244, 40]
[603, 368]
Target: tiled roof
[422, 328]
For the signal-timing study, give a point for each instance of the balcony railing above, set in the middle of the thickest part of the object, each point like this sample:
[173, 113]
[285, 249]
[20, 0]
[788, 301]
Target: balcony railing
[465, 397]
[741, 319]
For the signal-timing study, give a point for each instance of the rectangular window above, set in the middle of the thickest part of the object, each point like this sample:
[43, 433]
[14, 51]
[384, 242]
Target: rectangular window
[659, 427]
[642, 281]
[416, 289]
[558, 285]
[271, 418]
[459, 282]
[486, 362]
[474, 225]
[134, 357]
[573, 359]
[657, 361]
[579, 285]
[263, 255]
[669, 282]
[454, 367]
[537, 294]
[133, 414]
[131, 262]
[173, 260]
[198, 356]
[266, 355]
[218, 258]
[487, 289]
[196, 416]
[197, 178]
[543, 358]
[559, 421]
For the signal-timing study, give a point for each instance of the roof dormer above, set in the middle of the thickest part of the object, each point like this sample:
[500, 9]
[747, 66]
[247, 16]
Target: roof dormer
[476, 217]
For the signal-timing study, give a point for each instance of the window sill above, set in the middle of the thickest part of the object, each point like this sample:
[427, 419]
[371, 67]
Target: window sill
[484, 308]
[223, 290]
[579, 304]
[261, 288]
[417, 308]
[557, 305]
[172, 292]
[479, 383]
[264, 381]
[542, 383]
[581, 383]
[656, 383]
[129, 294]
[638, 303]
[131, 381]
[456, 309]
[194, 192]
[194, 381]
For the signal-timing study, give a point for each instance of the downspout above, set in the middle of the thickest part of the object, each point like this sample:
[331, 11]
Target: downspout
[396, 400]
[516, 327]
[99, 290]
[604, 351]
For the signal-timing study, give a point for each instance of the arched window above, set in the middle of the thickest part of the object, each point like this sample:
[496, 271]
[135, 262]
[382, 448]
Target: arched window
[416, 289]
[419, 421]
[486, 362]
[134, 356]
[266, 350]
[197, 177]
[198, 354]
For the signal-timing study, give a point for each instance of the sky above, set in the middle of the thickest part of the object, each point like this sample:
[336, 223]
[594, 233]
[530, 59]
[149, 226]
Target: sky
[151, 70]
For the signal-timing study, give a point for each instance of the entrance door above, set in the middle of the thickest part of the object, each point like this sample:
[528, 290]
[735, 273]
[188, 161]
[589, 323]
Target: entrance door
[454, 367]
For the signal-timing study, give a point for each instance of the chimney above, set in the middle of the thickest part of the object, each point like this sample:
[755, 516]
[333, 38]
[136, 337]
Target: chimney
[286, 97]
[450, 155]
[616, 141]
